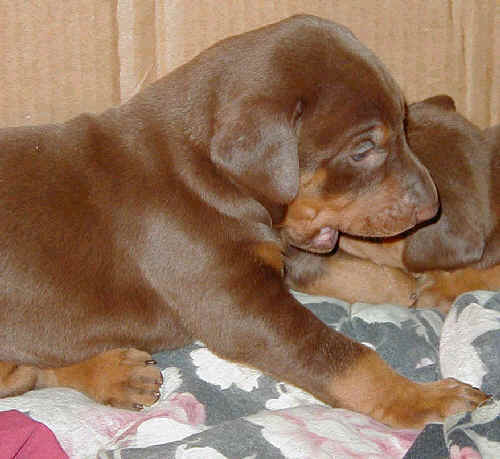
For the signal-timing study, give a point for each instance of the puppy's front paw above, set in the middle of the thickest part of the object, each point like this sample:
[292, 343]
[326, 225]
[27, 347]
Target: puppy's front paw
[450, 396]
[372, 387]
[431, 402]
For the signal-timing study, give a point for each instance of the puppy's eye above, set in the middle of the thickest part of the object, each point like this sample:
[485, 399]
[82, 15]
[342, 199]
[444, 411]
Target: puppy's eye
[362, 150]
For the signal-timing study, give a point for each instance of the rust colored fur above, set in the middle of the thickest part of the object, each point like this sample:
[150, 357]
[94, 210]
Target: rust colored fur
[457, 251]
[163, 221]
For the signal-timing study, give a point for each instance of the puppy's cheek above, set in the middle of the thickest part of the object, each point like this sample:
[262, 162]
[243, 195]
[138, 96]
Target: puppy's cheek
[385, 212]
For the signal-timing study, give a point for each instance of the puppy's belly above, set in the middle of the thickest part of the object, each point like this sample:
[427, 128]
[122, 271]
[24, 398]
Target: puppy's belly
[62, 327]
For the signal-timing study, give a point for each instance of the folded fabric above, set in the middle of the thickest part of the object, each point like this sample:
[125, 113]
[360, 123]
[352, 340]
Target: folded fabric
[23, 438]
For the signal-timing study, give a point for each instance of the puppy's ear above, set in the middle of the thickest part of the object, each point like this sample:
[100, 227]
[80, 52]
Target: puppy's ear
[442, 101]
[256, 145]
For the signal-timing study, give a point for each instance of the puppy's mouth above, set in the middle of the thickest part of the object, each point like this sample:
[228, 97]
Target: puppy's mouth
[323, 241]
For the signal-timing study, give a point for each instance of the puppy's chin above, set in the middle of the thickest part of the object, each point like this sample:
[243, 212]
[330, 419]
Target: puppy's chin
[323, 242]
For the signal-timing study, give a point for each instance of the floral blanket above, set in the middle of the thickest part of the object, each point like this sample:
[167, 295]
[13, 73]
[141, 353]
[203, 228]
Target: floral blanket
[211, 408]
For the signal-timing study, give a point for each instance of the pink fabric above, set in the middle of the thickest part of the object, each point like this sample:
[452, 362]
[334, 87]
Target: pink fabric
[23, 438]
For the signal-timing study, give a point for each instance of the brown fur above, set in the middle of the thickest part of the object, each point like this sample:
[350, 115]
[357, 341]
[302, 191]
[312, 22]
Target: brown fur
[352, 279]
[401, 399]
[154, 223]
[439, 288]
[457, 251]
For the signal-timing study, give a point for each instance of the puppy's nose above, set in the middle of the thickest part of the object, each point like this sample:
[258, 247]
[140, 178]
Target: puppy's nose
[427, 197]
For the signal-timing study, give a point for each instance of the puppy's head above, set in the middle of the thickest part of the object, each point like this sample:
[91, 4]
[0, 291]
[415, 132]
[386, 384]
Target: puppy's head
[492, 136]
[358, 176]
[461, 162]
[317, 126]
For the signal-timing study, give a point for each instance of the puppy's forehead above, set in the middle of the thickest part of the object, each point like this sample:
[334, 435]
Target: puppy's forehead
[323, 59]
[302, 57]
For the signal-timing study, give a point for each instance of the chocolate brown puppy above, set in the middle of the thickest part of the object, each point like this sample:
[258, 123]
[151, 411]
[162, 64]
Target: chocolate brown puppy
[457, 251]
[164, 221]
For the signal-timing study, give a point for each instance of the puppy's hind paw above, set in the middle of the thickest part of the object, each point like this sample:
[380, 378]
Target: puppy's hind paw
[135, 382]
[124, 378]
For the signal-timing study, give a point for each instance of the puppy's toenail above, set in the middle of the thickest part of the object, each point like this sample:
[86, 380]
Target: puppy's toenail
[150, 362]
[138, 406]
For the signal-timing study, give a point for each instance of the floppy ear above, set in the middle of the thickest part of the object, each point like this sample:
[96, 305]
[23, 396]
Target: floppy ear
[255, 143]
[443, 101]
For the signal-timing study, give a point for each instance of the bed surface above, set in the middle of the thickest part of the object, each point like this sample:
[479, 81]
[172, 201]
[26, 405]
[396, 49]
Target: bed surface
[211, 408]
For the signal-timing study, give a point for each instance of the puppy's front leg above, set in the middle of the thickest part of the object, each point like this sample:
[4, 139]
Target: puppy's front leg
[124, 378]
[268, 329]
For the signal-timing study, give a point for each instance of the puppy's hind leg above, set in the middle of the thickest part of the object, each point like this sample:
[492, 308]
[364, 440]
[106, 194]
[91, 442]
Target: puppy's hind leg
[124, 378]
[16, 379]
